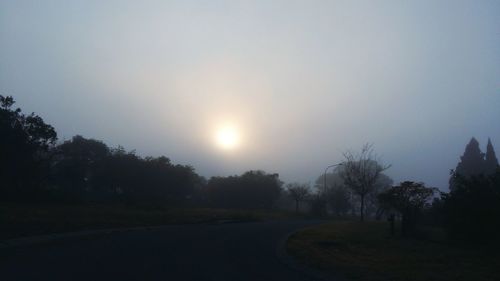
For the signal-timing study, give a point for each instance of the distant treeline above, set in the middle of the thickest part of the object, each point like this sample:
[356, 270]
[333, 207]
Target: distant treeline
[34, 168]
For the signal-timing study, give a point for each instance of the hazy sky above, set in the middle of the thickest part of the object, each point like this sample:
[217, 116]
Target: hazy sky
[299, 81]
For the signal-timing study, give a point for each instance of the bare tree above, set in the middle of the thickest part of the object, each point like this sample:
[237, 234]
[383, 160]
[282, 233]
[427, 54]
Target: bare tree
[298, 192]
[360, 173]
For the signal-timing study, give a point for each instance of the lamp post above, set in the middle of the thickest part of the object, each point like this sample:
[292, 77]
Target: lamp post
[324, 175]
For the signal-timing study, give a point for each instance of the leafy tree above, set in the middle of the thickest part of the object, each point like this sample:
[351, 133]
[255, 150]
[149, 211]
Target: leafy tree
[118, 176]
[145, 181]
[169, 183]
[83, 169]
[24, 149]
[490, 161]
[474, 162]
[471, 163]
[409, 199]
[299, 193]
[472, 208]
[75, 164]
[360, 173]
[252, 190]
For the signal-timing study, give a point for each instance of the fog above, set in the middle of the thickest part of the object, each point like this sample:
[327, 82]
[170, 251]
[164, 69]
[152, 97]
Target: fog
[301, 81]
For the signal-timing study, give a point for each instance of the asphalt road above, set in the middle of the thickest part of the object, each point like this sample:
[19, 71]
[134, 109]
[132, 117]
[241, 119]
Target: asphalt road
[231, 251]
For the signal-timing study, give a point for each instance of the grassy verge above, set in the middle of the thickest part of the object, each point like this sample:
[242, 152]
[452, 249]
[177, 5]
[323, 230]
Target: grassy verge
[365, 251]
[19, 221]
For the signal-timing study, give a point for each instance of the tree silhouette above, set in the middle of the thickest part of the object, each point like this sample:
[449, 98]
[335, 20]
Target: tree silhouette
[298, 192]
[86, 170]
[360, 173]
[474, 162]
[409, 199]
[252, 190]
[490, 161]
[24, 147]
[472, 208]
[339, 196]
[144, 181]
[75, 163]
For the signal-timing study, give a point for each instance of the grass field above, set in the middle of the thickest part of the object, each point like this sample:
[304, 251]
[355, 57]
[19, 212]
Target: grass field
[365, 251]
[19, 221]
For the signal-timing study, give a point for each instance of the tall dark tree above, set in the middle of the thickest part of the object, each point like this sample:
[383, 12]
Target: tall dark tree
[490, 160]
[24, 144]
[472, 162]
[472, 208]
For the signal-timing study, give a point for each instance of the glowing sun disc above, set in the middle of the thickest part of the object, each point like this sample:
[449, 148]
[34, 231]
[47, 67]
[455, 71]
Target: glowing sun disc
[227, 138]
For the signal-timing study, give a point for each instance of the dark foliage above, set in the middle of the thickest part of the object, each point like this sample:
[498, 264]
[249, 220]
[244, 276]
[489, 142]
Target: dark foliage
[74, 167]
[472, 208]
[82, 170]
[474, 162]
[434, 215]
[409, 199]
[490, 159]
[131, 179]
[252, 190]
[299, 193]
[87, 170]
[24, 144]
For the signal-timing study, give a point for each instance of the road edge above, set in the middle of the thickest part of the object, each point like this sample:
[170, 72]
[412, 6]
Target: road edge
[53, 237]
[47, 238]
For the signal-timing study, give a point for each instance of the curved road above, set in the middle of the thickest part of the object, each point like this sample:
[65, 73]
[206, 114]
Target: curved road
[231, 251]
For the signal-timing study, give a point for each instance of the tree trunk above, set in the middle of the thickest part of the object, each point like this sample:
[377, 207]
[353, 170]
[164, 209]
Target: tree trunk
[404, 225]
[297, 206]
[362, 215]
[392, 220]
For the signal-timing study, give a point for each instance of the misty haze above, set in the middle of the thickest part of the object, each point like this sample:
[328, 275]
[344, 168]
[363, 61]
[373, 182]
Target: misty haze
[249, 140]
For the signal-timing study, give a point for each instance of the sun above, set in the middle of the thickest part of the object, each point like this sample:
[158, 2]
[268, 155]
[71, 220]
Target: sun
[227, 138]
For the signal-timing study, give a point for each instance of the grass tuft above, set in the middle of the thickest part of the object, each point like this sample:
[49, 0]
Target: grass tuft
[366, 251]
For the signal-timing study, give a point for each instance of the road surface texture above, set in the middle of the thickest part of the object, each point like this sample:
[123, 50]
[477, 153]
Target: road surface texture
[218, 252]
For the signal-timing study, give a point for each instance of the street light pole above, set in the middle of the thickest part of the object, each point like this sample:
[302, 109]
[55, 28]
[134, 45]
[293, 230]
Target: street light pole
[324, 175]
